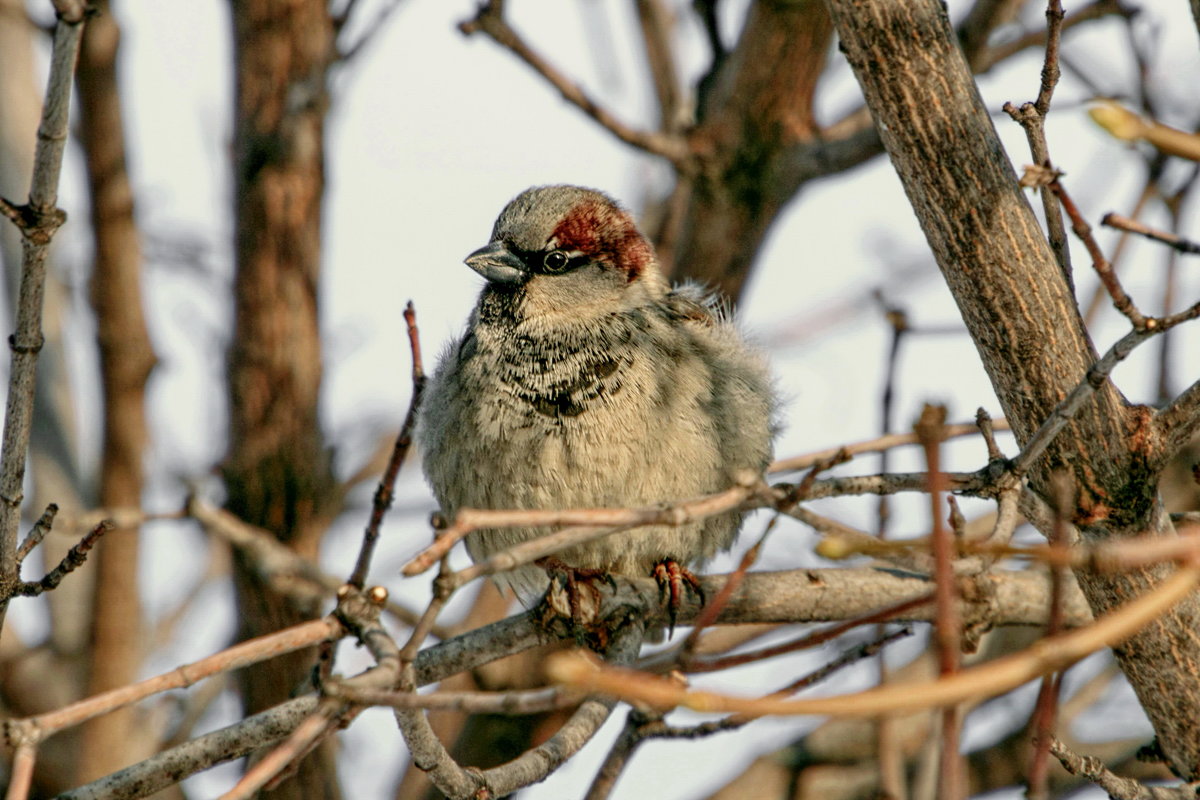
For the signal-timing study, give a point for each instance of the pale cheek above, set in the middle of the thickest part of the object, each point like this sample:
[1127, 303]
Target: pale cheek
[587, 293]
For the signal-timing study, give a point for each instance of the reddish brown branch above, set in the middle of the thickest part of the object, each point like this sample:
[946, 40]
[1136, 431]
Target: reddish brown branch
[810, 641]
[384, 493]
[782, 506]
[1108, 276]
[1045, 710]
[947, 628]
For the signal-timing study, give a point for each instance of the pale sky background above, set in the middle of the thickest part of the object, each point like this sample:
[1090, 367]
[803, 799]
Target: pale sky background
[430, 135]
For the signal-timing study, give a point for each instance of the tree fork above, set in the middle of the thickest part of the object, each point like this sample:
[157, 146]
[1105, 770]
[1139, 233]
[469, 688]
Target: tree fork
[1025, 324]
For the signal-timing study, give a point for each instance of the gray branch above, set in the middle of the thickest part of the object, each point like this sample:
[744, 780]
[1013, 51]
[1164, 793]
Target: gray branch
[40, 219]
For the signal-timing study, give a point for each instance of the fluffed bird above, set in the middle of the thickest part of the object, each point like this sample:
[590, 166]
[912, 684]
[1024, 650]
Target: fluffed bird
[584, 379]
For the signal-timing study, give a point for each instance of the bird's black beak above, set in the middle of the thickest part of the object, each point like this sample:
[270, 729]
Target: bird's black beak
[498, 264]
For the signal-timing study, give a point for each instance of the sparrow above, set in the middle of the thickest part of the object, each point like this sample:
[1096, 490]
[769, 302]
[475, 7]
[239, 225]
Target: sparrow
[584, 380]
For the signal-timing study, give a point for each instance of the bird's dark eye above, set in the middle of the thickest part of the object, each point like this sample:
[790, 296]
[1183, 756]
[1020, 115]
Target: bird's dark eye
[556, 261]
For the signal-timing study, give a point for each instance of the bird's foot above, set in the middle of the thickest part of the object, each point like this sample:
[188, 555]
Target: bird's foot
[573, 591]
[672, 578]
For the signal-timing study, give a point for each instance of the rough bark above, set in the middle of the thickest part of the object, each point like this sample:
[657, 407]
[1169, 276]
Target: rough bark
[277, 471]
[1024, 322]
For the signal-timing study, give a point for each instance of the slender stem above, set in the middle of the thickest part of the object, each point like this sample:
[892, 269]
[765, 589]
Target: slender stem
[26, 341]
[384, 492]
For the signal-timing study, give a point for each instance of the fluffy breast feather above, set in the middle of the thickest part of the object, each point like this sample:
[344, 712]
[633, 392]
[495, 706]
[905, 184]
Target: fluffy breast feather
[647, 405]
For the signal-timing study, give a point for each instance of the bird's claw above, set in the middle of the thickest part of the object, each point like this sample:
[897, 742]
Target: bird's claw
[671, 579]
[572, 580]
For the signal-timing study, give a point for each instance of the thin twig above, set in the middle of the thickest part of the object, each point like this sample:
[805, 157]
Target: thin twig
[988, 430]
[74, 559]
[371, 30]
[490, 20]
[1065, 411]
[589, 523]
[358, 612]
[1050, 71]
[898, 321]
[1121, 223]
[1045, 709]
[891, 760]
[876, 445]
[297, 743]
[789, 501]
[443, 587]
[385, 492]
[1032, 118]
[288, 572]
[637, 722]
[1037, 38]
[20, 777]
[38, 532]
[948, 625]
[43, 219]
[531, 701]
[1121, 299]
[240, 655]
[1148, 192]
[1117, 787]
[810, 641]
[1169, 288]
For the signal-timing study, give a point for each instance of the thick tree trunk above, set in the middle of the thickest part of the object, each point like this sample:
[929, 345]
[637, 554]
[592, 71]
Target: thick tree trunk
[1025, 324]
[277, 472]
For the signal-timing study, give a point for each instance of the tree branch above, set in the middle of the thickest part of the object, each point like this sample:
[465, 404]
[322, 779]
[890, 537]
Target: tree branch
[44, 218]
[382, 500]
[1117, 787]
[1121, 223]
[490, 20]
[1024, 322]
[1176, 424]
